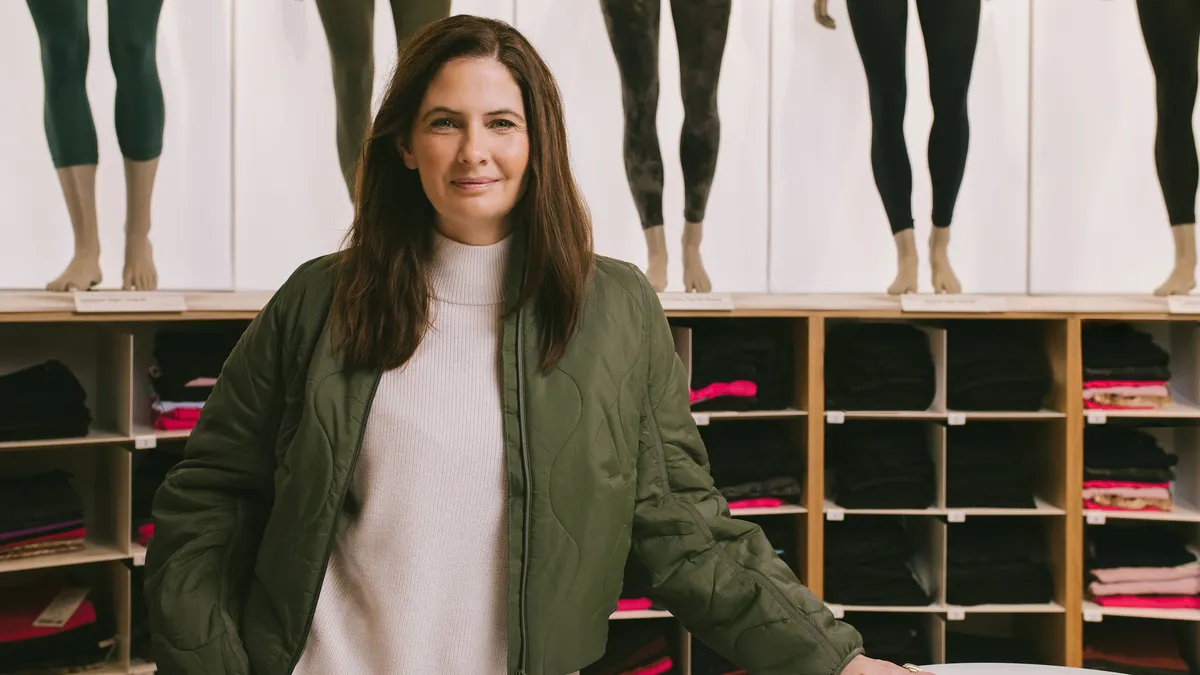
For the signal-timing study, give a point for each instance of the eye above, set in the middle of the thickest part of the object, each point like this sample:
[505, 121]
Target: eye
[442, 123]
[504, 124]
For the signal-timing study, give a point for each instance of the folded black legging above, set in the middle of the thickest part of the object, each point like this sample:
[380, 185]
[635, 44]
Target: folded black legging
[1171, 29]
[140, 113]
[700, 30]
[951, 29]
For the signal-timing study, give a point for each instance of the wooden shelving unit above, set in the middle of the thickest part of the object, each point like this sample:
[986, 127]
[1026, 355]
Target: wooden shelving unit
[109, 352]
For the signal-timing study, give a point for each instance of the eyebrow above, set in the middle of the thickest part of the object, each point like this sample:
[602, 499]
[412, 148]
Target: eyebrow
[449, 111]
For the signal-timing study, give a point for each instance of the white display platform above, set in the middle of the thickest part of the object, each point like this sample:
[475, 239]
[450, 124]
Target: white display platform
[1005, 669]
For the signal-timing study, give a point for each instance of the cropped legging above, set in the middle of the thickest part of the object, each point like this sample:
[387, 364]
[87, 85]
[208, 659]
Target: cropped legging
[951, 30]
[140, 114]
[700, 30]
[1171, 29]
[350, 32]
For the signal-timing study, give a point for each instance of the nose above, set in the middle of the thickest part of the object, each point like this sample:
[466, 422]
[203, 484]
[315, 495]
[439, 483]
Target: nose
[474, 147]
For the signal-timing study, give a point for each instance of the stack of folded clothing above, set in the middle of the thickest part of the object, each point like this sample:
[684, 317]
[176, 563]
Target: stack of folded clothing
[896, 638]
[741, 364]
[880, 465]
[754, 463]
[149, 471]
[42, 401]
[997, 561]
[1125, 469]
[1133, 647]
[878, 366]
[1142, 565]
[705, 661]
[39, 515]
[638, 648]
[963, 646]
[187, 364]
[1123, 369]
[86, 638]
[867, 563]
[986, 466]
[996, 365]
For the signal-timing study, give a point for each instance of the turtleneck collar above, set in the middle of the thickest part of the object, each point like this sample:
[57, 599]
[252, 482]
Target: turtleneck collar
[462, 274]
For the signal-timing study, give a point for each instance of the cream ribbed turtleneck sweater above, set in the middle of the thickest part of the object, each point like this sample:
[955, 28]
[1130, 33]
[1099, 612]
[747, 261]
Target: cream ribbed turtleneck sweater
[417, 581]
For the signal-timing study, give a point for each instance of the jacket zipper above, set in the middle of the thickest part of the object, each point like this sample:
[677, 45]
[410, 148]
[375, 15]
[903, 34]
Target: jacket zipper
[333, 536]
[521, 663]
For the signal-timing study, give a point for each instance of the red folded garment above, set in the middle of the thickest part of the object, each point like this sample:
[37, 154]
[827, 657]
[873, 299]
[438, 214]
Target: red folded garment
[633, 604]
[1105, 484]
[759, 503]
[60, 536]
[145, 533]
[170, 424]
[657, 668]
[741, 388]
[20, 607]
[1112, 384]
[1150, 601]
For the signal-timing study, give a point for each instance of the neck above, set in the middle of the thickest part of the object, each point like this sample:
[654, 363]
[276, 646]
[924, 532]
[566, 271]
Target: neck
[474, 234]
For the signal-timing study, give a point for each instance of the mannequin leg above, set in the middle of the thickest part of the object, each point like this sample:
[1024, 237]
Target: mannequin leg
[879, 28]
[63, 37]
[633, 32]
[140, 117]
[701, 27]
[951, 30]
[349, 30]
[1171, 29]
[409, 16]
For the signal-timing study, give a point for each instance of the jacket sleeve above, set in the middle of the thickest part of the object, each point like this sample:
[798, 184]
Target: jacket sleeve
[210, 511]
[718, 575]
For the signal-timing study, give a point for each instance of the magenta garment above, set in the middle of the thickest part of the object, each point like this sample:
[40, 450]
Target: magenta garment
[1150, 601]
[633, 604]
[1169, 587]
[760, 503]
[1099, 484]
[1113, 384]
[740, 388]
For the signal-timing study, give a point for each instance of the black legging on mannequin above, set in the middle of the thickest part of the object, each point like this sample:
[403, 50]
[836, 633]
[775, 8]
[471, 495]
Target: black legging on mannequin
[140, 113]
[1171, 29]
[350, 31]
[700, 30]
[951, 29]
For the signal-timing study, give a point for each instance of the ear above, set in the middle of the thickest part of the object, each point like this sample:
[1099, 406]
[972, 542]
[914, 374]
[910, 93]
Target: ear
[410, 160]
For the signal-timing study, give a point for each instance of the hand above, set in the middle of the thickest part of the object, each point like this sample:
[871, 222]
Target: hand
[821, 13]
[862, 665]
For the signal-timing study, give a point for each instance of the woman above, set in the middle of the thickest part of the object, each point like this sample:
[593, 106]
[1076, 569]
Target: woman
[434, 451]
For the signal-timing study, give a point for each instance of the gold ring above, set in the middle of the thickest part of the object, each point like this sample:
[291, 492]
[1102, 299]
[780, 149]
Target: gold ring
[911, 668]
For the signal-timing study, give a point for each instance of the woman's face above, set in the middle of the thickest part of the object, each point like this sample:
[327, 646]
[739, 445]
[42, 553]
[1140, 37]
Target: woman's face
[470, 145]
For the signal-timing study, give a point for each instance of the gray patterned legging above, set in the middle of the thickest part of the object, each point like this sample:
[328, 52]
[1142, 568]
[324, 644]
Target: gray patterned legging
[700, 30]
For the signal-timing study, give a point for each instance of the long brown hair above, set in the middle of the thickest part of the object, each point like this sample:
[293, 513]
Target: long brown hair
[380, 307]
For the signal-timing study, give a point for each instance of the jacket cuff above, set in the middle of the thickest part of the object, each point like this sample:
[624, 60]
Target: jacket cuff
[856, 652]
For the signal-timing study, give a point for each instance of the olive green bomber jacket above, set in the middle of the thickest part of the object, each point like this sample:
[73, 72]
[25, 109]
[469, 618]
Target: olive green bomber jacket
[603, 461]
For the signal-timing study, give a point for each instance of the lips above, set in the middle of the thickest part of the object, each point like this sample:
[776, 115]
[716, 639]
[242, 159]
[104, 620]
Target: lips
[474, 182]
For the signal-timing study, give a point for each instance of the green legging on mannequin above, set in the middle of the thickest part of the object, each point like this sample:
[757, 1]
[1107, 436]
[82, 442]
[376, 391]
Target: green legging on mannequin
[349, 28]
[140, 114]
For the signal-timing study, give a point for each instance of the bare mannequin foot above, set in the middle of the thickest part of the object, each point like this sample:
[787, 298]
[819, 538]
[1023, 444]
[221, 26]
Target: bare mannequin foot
[82, 273]
[656, 257]
[906, 264]
[140, 273]
[1183, 275]
[944, 279]
[695, 277]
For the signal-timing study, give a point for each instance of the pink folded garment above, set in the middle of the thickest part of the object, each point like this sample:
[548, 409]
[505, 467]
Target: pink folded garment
[1172, 587]
[760, 503]
[1128, 493]
[1111, 384]
[1089, 504]
[657, 668]
[1115, 575]
[1150, 601]
[1087, 484]
[633, 604]
[739, 388]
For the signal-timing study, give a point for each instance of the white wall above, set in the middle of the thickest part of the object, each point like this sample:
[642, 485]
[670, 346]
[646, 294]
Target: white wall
[829, 232]
[191, 206]
[1099, 224]
[291, 201]
[571, 36]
